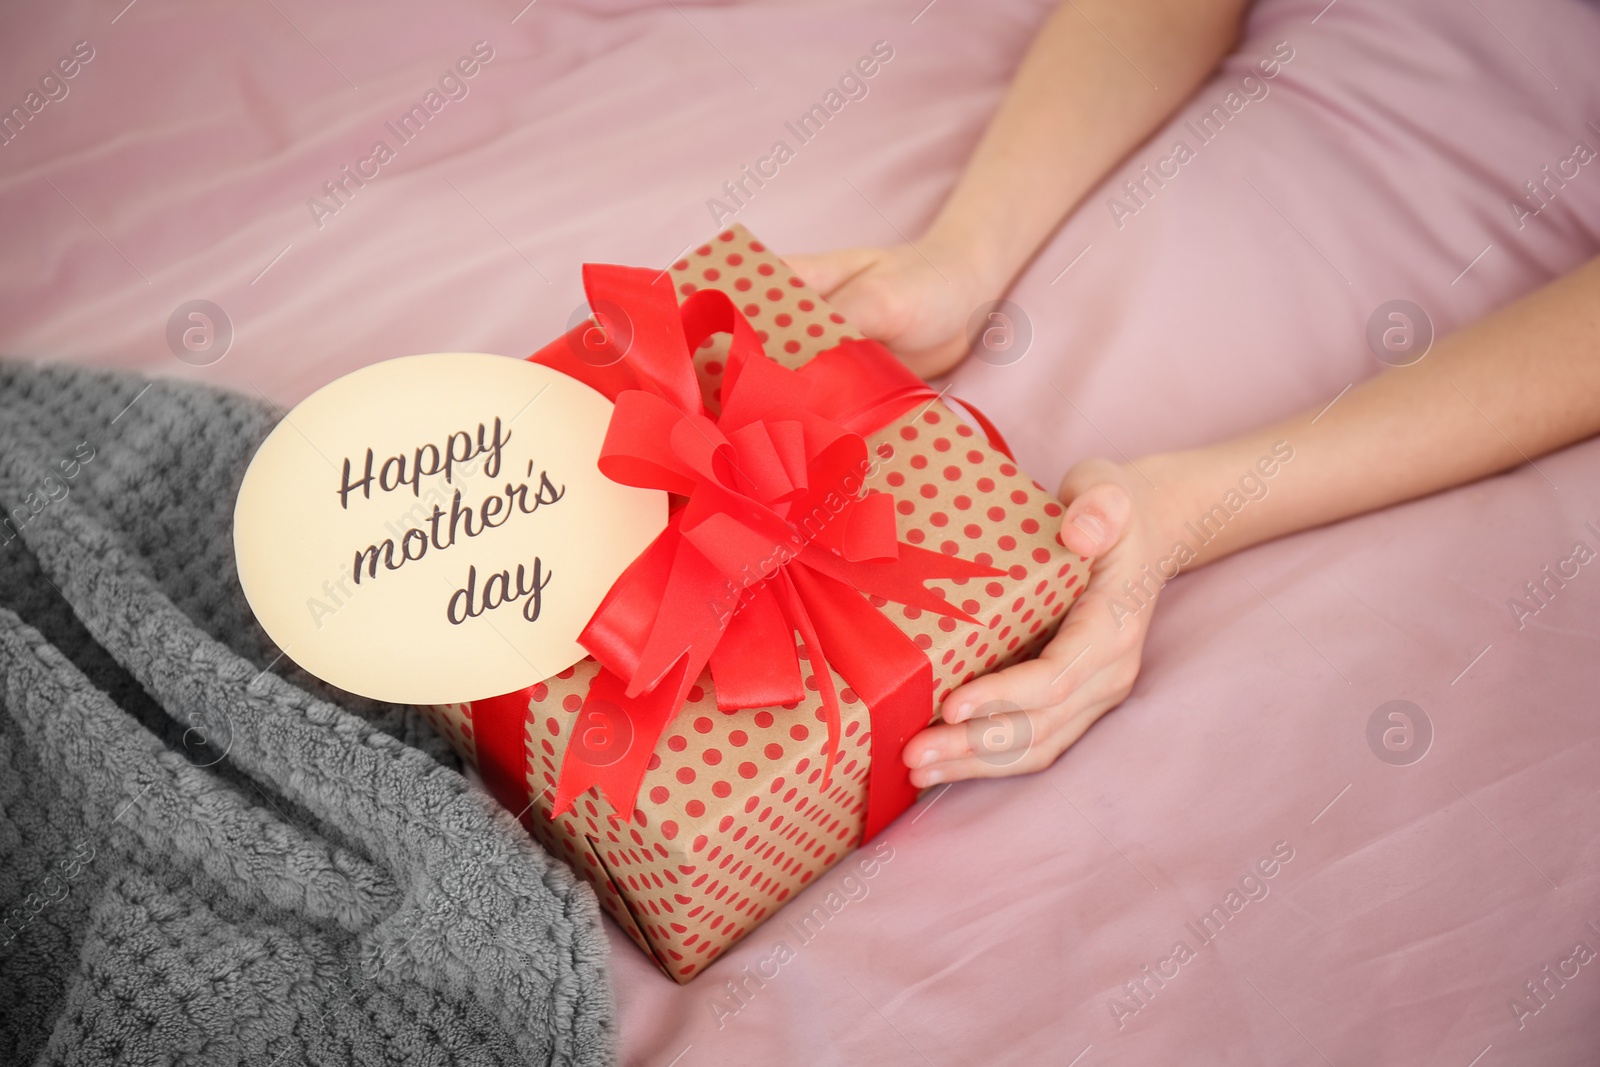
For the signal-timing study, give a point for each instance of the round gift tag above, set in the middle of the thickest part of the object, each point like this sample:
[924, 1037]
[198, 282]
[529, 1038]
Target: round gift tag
[435, 529]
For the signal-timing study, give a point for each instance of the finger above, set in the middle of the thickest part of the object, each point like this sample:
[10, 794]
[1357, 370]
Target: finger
[1021, 685]
[1033, 755]
[936, 744]
[992, 734]
[827, 271]
[1018, 743]
[1096, 518]
[999, 743]
[1036, 683]
[992, 737]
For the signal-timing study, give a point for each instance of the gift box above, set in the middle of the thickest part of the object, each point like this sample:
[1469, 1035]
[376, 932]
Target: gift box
[739, 808]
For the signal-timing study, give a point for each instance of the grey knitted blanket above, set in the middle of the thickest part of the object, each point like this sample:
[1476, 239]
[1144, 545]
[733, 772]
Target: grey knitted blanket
[207, 857]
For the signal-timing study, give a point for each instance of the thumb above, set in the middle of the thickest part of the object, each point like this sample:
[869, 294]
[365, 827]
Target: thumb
[827, 271]
[1096, 518]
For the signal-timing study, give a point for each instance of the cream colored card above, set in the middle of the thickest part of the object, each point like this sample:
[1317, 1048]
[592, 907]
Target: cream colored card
[435, 529]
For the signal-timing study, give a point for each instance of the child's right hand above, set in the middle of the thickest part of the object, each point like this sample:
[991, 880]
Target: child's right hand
[916, 300]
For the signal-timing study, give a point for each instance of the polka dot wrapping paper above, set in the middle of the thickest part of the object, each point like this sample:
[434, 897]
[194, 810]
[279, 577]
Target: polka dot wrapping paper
[732, 818]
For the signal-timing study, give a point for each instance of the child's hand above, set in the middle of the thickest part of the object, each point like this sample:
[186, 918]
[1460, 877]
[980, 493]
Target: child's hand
[915, 300]
[1020, 719]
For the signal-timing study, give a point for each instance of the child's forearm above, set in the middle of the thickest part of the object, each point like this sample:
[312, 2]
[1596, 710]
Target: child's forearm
[1098, 79]
[1518, 384]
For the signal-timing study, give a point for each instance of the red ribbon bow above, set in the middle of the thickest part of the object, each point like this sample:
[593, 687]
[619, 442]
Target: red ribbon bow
[768, 534]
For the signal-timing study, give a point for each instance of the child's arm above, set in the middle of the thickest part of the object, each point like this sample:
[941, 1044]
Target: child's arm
[1513, 386]
[1099, 78]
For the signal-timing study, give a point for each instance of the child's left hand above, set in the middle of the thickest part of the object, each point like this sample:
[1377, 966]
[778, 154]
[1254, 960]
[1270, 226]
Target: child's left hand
[1020, 719]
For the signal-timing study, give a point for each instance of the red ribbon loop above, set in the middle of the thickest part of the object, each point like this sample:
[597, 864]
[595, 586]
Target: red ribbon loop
[769, 535]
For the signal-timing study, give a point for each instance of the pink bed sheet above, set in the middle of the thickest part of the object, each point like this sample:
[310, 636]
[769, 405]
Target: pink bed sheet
[1017, 921]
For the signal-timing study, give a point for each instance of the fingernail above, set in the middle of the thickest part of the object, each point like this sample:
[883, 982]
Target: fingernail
[1091, 527]
[957, 713]
[932, 778]
[927, 758]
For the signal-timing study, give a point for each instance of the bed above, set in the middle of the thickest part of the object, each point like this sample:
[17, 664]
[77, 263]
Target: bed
[1440, 909]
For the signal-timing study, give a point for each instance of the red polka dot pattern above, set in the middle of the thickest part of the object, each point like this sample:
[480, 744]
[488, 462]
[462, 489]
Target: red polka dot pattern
[732, 815]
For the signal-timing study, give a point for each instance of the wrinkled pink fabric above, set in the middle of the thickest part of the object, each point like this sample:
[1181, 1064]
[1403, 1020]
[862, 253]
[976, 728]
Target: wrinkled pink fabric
[1419, 899]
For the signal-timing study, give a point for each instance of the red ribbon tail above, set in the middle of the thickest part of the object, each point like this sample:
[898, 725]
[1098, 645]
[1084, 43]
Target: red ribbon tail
[613, 738]
[887, 671]
[816, 655]
[901, 580]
